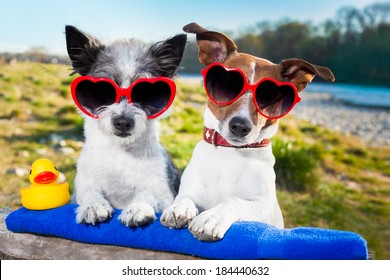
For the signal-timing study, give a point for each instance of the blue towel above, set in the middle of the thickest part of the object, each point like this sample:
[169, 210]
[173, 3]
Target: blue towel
[244, 240]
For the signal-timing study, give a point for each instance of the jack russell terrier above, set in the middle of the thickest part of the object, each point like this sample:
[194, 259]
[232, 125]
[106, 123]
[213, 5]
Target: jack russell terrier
[230, 176]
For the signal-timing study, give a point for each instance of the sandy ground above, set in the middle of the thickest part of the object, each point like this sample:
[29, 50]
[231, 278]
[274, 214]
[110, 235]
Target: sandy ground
[372, 125]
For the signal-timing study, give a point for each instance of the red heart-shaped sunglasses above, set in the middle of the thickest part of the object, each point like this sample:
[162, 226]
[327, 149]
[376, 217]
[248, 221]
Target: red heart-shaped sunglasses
[153, 95]
[273, 99]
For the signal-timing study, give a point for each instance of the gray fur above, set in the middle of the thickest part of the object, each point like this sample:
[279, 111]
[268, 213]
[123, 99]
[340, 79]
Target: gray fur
[90, 57]
[173, 175]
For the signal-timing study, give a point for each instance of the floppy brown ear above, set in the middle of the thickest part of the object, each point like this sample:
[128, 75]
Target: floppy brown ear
[213, 46]
[300, 72]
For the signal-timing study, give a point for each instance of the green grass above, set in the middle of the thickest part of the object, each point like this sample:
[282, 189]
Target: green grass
[324, 179]
[296, 165]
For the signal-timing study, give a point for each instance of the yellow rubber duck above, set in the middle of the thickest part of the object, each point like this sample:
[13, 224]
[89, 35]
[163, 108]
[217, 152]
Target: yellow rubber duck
[44, 192]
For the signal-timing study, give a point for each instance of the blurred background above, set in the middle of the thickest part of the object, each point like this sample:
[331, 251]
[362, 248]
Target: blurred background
[332, 152]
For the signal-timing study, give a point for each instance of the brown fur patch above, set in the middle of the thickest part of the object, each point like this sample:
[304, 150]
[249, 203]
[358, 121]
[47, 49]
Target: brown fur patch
[224, 112]
[244, 62]
[269, 122]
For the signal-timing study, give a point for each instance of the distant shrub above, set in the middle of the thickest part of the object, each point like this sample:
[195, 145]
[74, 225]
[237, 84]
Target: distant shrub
[67, 109]
[17, 114]
[310, 129]
[7, 79]
[189, 88]
[360, 152]
[11, 99]
[38, 82]
[296, 165]
[67, 81]
[39, 104]
[190, 121]
[71, 119]
[64, 92]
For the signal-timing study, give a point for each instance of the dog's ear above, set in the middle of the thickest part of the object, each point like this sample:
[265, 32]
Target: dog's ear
[300, 72]
[213, 46]
[83, 49]
[168, 54]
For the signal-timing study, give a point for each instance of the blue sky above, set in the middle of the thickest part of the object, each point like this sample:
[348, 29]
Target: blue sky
[40, 23]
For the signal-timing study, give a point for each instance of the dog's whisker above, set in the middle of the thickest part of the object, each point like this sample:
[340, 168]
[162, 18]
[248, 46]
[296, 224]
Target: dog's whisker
[100, 110]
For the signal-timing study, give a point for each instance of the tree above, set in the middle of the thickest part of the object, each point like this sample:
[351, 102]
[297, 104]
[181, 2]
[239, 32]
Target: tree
[355, 44]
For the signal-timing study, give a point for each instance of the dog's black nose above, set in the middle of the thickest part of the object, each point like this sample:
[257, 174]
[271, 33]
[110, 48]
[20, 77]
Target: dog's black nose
[240, 127]
[123, 125]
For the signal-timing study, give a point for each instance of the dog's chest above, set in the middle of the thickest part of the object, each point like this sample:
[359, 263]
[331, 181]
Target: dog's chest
[135, 176]
[227, 172]
[122, 175]
[127, 170]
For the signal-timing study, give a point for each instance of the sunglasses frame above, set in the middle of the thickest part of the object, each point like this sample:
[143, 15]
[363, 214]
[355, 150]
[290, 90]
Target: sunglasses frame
[120, 92]
[247, 86]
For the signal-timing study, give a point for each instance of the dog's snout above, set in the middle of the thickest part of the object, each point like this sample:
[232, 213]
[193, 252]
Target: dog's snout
[240, 127]
[123, 125]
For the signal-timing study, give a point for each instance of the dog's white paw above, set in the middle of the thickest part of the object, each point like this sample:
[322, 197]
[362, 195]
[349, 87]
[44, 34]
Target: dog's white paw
[93, 213]
[179, 215]
[209, 226]
[137, 214]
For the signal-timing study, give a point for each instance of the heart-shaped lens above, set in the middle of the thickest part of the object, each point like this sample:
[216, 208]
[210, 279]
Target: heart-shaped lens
[223, 85]
[274, 100]
[93, 95]
[153, 98]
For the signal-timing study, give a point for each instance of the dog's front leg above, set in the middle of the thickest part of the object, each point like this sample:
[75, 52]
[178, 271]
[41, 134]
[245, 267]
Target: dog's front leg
[180, 213]
[141, 210]
[183, 210]
[211, 225]
[93, 207]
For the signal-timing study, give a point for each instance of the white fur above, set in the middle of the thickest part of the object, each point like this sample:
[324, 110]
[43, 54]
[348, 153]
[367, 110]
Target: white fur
[127, 173]
[226, 185]
[253, 67]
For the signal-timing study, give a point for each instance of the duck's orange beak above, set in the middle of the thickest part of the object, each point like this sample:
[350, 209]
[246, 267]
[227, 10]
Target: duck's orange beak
[45, 177]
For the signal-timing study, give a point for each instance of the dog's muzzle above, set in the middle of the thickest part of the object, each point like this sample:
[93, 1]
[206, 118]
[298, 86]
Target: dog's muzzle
[123, 126]
[240, 127]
